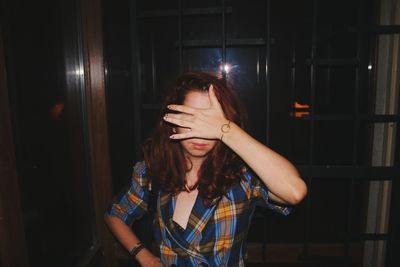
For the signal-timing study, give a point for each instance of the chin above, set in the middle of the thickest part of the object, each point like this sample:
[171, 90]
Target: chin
[198, 154]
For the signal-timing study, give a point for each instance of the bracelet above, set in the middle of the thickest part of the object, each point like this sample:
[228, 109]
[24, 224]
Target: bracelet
[136, 249]
[225, 128]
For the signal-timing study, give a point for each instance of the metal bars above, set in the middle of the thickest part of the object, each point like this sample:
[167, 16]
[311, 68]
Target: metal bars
[180, 40]
[310, 171]
[268, 110]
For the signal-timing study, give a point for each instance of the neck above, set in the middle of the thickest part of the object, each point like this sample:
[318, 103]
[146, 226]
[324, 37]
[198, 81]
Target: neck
[191, 177]
[192, 174]
[194, 163]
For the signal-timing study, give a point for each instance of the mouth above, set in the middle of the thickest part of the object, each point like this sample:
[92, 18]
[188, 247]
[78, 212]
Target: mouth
[199, 145]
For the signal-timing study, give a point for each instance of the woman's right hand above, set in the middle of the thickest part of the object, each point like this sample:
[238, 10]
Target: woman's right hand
[147, 259]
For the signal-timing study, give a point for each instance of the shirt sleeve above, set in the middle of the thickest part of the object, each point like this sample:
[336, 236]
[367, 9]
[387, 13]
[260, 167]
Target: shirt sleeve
[259, 195]
[132, 201]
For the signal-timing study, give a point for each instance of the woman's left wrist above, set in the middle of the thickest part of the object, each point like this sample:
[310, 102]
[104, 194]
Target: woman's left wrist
[225, 129]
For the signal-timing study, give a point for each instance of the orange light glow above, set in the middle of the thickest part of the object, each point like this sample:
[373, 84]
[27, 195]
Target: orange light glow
[56, 110]
[298, 105]
[300, 110]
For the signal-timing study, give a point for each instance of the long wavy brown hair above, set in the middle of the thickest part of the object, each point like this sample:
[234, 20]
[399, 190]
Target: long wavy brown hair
[164, 157]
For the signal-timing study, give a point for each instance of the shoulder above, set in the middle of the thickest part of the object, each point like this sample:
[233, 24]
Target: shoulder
[250, 182]
[248, 176]
[140, 168]
[247, 181]
[139, 174]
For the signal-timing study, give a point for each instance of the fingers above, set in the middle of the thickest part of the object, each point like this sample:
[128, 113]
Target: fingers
[213, 98]
[182, 120]
[182, 135]
[182, 108]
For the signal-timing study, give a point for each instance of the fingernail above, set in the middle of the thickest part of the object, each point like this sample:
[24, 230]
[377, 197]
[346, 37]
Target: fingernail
[172, 137]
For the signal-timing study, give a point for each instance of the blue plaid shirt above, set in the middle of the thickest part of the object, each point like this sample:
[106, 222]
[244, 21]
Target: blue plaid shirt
[215, 235]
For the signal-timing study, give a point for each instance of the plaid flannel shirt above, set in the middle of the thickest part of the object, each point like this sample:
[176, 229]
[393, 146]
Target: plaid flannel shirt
[215, 235]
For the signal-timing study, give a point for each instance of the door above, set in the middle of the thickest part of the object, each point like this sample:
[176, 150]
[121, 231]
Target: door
[51, 191]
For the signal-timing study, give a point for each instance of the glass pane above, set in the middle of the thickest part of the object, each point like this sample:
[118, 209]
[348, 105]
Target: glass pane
[359, 206]
[330, 198]
[333, 200]
[159, 56]
[119, 88]
[379, 142]
[292, 139]
[202, 28]
[291, 28]
[289, 135]
[381, 96]
[202, 59]
[243, 74]
[246, 21]
[377, 206]
[290, 78]
[335, 90]
[334, 37]
[301, 104]
[45, 77]
[150, 117]
[333, 143]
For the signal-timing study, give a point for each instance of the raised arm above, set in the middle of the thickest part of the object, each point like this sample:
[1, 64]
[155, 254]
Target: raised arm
[278, 174]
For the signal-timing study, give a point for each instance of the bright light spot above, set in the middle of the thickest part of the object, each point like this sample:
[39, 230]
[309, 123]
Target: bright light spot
[370, 67]
[226, 68]
[79, 71]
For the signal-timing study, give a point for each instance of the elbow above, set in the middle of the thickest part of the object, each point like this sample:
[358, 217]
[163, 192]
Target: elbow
[299, 192]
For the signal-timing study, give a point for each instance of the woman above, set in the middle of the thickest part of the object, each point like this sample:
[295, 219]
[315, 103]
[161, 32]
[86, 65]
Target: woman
[209, 174]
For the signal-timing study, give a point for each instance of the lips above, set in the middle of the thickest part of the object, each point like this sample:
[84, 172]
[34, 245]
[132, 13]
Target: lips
[199, 145]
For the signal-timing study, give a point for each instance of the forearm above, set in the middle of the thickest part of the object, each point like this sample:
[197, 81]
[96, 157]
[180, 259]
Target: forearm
[122, 232]
[278, 174]
[125, 235]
